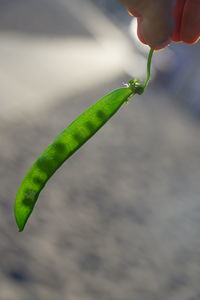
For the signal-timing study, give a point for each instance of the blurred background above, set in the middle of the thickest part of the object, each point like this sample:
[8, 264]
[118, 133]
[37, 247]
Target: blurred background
[121, 219]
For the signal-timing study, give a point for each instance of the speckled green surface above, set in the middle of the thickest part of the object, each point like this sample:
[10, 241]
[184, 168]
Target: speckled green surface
[66, 143]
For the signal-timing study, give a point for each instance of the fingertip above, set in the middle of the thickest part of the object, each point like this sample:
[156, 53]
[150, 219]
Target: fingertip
[161, 46]
[150, 39]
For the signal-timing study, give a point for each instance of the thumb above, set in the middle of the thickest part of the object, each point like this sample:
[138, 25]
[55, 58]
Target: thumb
[155, 22]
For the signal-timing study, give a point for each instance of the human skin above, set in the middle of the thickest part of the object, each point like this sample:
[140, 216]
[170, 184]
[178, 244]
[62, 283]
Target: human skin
[187, 16]
[163, 21]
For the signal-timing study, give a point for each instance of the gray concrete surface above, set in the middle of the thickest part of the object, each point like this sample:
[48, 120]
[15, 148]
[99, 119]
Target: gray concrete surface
[120, 220]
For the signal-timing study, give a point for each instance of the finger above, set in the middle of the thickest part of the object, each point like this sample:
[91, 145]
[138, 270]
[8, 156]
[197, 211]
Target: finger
[155, 20]
[156, 26]
[187, 14]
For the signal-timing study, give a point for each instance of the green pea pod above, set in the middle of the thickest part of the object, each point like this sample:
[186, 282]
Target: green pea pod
[66, 143]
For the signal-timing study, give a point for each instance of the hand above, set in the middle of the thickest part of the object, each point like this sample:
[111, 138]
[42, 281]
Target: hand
[163, 21]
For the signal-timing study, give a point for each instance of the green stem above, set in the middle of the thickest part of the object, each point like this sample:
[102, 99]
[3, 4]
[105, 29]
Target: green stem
[135, 85]
[149, 68]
